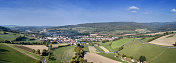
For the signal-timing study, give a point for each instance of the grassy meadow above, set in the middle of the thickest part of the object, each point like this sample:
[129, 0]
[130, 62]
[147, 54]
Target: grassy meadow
[153, 54]
[10, 55]
[62, 55]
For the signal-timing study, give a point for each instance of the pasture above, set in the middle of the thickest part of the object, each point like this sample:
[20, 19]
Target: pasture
[153, 53]
[62, 54]
[10, 55]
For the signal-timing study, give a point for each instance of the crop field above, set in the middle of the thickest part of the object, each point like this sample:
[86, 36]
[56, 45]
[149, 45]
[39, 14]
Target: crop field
[153, 53]
[167, 40]
[9, 55]
[35, 47]
[62, 55]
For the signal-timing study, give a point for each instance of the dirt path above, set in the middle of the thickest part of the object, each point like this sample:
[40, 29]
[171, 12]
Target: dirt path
[95, 58]
[104, 49]
[165, 40]
[92, 49]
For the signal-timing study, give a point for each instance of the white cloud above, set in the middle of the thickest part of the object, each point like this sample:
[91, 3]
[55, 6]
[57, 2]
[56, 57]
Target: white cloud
[133, 8]
[133, 11]
[173, 10]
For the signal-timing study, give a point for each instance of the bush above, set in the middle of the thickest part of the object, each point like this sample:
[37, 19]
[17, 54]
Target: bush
[33, 50]
[38, 52]
[142, 59]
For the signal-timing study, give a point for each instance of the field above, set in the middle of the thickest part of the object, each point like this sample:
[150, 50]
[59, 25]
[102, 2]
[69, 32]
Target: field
[10, 36]
[110, 55]
[146, 39]
[36, 47]
[118, 43]
[62, 54]
[153, 53]
[56, 45]
[86, 48]
[99, 49]
[167, 40]
[9, 55]
[115, 44]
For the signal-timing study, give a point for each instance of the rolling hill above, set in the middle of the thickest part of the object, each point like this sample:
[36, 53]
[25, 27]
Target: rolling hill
[118, 26]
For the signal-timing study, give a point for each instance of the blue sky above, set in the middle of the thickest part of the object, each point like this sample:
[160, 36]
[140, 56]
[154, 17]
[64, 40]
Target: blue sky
[68, 12]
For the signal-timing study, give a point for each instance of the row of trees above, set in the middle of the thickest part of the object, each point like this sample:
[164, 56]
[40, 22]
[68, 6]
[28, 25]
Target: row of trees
[79, 55]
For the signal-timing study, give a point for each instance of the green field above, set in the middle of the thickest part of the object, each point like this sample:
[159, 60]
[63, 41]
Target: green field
[9, 55]
[62, 55]
[10, 36]
[86, 48]
[146, 39]
[115, 44]
[99, 48]
[153, 54]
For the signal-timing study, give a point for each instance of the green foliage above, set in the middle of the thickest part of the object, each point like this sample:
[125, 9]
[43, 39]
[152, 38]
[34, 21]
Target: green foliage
[38, 51]
[142, 59]
[33, 50]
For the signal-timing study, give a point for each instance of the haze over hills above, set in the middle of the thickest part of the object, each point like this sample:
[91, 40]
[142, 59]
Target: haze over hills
[113, 26]
[103, 27]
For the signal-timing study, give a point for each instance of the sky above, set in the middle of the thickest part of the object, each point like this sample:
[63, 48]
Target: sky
[71, 12]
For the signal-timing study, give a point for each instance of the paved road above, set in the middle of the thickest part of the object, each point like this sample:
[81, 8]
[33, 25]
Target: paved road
[95, 58]
[44, 59]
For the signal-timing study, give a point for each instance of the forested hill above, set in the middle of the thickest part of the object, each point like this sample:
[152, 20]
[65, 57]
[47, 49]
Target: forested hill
[113, 26]
[4, 29]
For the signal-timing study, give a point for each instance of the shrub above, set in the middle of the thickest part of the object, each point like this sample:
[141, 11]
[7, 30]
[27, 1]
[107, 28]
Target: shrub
[33, 50]
[142, 59]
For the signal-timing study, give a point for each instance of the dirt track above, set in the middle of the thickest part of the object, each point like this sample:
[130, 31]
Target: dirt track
[165, 40]
[104, 49]
[95, 58]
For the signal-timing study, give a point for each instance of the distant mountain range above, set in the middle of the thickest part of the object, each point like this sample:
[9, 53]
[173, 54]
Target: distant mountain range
[104, 27]
[115, 26]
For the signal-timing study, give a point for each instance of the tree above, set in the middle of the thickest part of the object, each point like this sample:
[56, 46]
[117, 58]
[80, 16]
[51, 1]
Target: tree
[44, 52]
[38, 52]
[142, 59]
[33, 50]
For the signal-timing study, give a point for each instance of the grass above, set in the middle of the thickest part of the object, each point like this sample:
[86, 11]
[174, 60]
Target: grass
[62, 55]
[110, 55]
[117, 44]
[99, 48]
[170, 36]
[86, 48]
[107, 45]
[153, 54]
[146, 39]
[9, 55]
[24, 51]
[10, 36]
